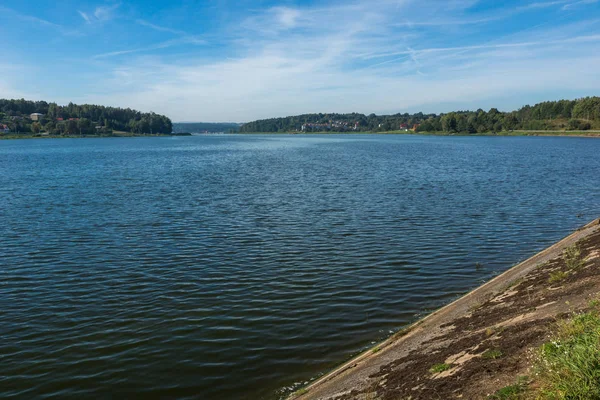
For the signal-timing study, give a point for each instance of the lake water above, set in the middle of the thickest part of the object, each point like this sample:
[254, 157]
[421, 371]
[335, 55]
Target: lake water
[237, 267]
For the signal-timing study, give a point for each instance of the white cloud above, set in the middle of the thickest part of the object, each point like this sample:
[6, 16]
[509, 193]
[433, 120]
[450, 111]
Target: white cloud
[100, 14]
[105, 13]
[84, 16]
[268, 85]
[159, 28]
[186, 40]
[287, 17]
[36, 21]
[578, 4]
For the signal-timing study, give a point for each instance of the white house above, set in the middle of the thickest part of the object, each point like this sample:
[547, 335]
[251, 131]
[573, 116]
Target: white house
[36, 116]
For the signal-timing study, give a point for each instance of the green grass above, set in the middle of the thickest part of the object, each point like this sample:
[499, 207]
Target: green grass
[376, 350]
[569, 365]
[437, 368]
[512, 392]
[300, 392]
[573, 257]
[492, 354]
[573, 260]
[557, 276]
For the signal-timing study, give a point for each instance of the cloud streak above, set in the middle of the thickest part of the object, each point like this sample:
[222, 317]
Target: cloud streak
[30, 18]
[159, 28]
[100, 14]
[162, 45]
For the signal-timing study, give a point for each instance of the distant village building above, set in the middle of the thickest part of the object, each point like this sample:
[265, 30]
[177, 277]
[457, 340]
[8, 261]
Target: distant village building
[36, 116]
[327, 126]
[4, 128]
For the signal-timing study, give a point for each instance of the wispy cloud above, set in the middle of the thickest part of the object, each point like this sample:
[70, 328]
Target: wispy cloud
[578, 4]
[104, 13]
[37, 22]
[412, 52]
[159, 28]
[187, 40]
[84, 16]
[542, 4]
[99, 14]
[286, 17]
[29, 18]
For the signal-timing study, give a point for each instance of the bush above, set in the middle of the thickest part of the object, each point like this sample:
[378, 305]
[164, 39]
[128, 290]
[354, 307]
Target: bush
[578, 125]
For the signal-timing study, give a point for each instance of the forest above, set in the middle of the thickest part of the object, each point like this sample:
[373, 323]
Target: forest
[206, 127]
[73, 119]
[576, 115]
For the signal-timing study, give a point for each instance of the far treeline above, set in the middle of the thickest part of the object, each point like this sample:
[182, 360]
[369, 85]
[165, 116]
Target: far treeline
[205, 127]
[23, 116]
[580, 115]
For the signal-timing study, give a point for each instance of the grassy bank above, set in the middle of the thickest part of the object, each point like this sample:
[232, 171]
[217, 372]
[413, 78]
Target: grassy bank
[567, 366]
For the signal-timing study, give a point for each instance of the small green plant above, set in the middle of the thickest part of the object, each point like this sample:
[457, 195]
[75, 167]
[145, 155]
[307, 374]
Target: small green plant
[557, 276]
[300, 392]
[512, 392]
[492, 354]
[437, 368]
[475, 306]
[573, 257]
[376, 350]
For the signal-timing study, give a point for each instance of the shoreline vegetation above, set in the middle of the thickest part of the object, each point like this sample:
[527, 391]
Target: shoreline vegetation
[98, 136]
[21, 118]
[564, 115]
[530, 333]
[590, 133]
[580, 134]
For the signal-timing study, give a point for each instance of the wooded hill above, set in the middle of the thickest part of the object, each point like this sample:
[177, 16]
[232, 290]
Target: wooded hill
[85, 119]
[580, 114]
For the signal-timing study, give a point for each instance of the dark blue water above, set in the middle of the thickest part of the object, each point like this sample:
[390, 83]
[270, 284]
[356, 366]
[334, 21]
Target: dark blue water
[234, 267]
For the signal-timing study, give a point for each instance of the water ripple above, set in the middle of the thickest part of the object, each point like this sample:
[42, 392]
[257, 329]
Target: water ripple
[238, 267]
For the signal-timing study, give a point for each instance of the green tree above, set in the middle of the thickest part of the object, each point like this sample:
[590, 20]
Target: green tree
[36, 127]
[449, 122]
[71, 127]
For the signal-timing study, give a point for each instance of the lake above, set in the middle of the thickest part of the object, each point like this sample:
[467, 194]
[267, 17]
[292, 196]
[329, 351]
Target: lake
[239, 267]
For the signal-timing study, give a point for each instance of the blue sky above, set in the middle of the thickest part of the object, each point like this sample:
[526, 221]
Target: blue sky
[225, 60]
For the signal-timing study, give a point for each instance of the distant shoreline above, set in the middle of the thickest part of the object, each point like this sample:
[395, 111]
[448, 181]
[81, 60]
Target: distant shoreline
[30, 136]
[581, 134]
[594, 133]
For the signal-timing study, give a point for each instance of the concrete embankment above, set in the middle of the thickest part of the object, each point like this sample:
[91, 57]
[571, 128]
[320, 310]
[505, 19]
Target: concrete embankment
[480, 342]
